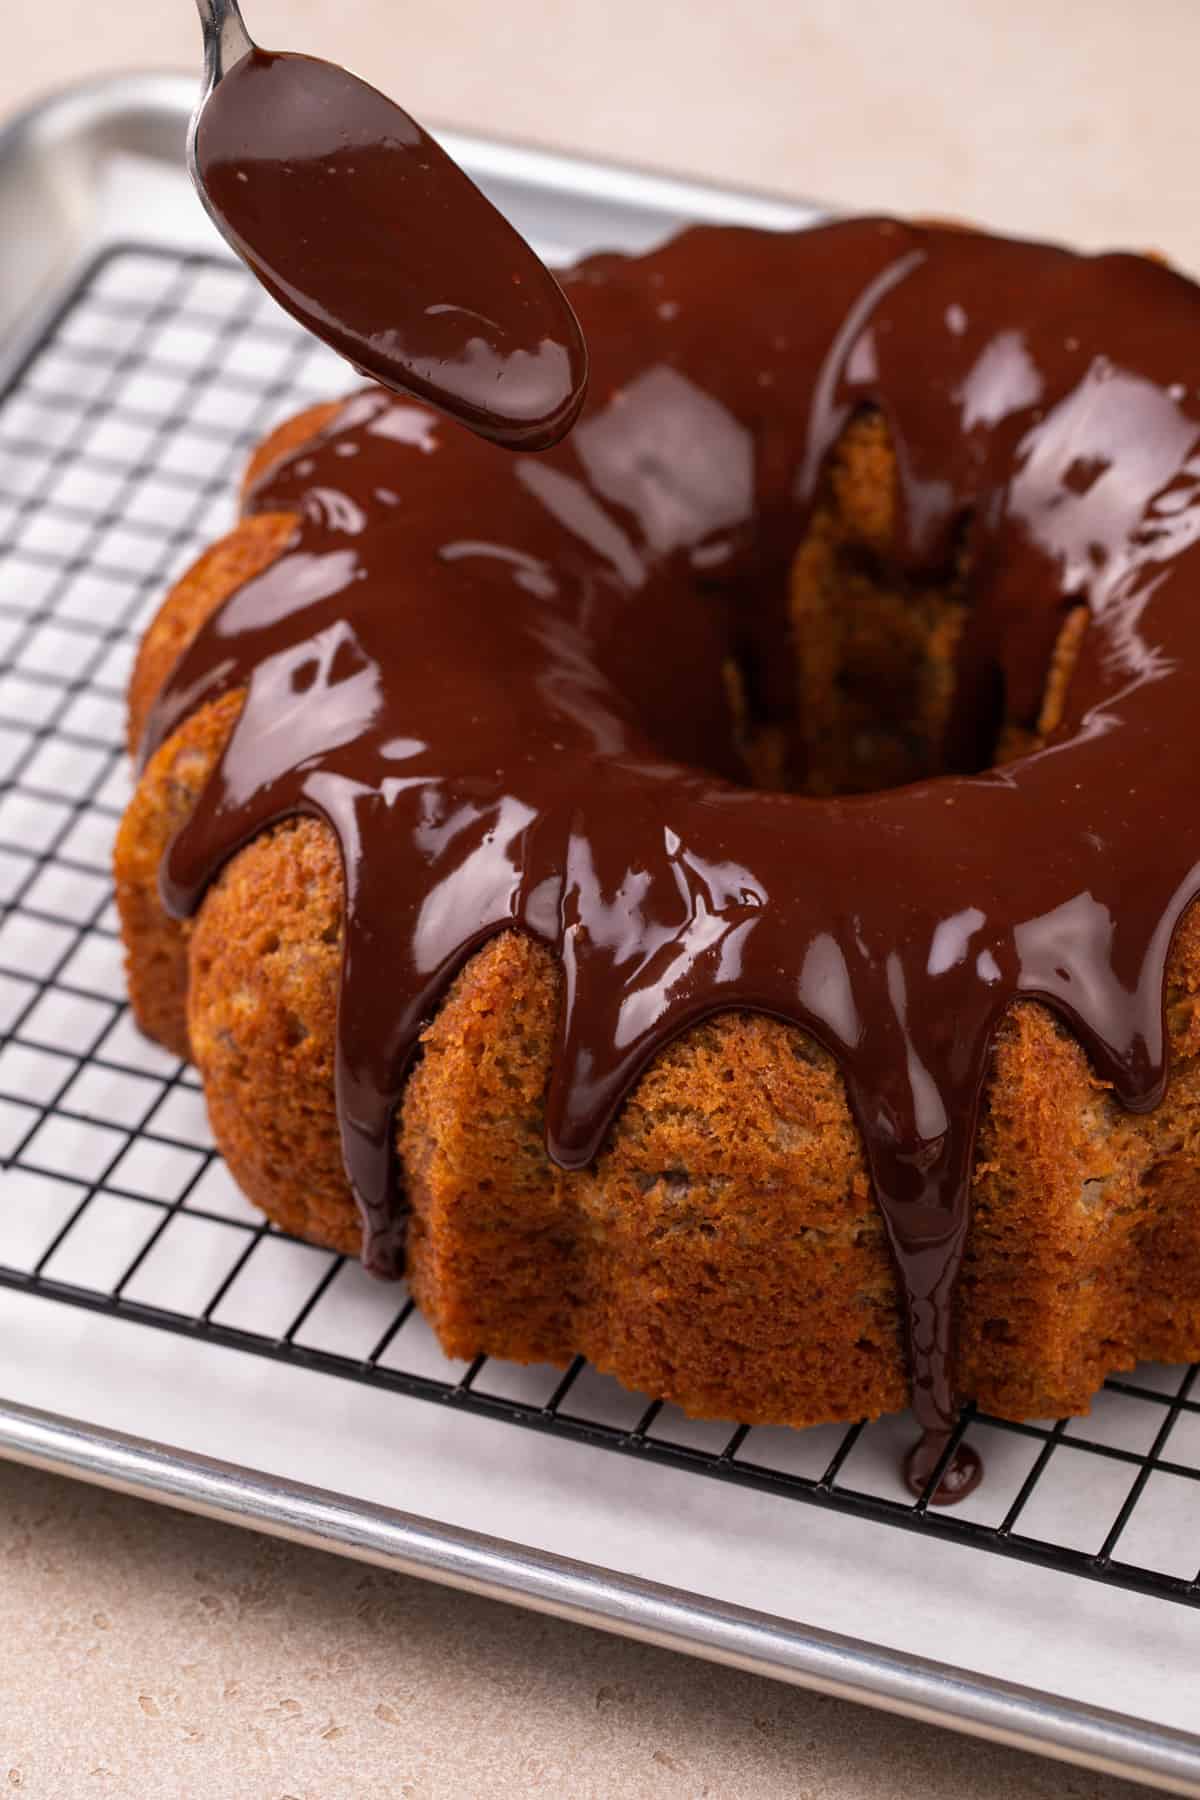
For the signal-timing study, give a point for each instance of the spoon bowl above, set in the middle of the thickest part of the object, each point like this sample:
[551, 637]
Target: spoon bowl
[361, 226]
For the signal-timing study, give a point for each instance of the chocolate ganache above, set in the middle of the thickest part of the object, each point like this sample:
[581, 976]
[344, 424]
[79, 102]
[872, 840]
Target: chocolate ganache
[361, 226]
[500, 681]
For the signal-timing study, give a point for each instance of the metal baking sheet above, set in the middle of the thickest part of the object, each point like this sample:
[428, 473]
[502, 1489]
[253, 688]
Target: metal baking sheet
[75, 176]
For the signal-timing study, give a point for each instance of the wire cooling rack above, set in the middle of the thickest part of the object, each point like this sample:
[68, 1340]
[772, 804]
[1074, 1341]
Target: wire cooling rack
[121, 439]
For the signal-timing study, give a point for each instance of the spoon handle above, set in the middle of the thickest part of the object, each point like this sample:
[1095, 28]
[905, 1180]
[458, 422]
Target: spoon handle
[226, 39]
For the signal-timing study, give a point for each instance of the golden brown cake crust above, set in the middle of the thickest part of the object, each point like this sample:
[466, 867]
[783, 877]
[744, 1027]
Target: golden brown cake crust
[724, 1250]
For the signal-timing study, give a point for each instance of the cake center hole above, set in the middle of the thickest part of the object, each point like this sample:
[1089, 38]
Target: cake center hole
[877, 654]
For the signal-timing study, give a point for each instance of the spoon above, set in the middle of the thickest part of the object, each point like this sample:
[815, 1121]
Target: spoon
[363, 228]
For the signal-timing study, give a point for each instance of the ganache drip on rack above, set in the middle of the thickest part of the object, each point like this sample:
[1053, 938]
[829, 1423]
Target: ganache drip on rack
[499, 680]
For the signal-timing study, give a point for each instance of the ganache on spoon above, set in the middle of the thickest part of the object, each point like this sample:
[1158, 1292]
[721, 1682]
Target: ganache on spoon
[362, 227]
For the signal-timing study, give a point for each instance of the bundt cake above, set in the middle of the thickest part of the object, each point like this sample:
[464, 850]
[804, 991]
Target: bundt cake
[715, 897]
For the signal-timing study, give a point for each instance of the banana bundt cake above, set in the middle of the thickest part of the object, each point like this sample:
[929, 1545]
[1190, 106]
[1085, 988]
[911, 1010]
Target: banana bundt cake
[717, 896]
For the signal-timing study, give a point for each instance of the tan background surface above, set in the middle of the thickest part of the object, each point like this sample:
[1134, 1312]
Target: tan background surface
[146, 1654]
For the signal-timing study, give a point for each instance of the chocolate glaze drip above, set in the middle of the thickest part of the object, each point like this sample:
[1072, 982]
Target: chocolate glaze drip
[362, 227]
[924, 1473]
[500, 682]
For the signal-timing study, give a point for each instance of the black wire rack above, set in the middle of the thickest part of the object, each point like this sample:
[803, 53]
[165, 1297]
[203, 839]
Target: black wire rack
[121, 438]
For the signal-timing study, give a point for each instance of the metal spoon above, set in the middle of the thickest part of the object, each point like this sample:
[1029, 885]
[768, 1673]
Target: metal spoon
[226, 41]
[361, 226]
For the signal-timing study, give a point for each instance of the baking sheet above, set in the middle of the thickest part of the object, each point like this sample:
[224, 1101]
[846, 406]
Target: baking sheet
[117, 455]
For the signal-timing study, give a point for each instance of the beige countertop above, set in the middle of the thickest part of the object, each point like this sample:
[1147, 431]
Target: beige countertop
[143, 1653]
